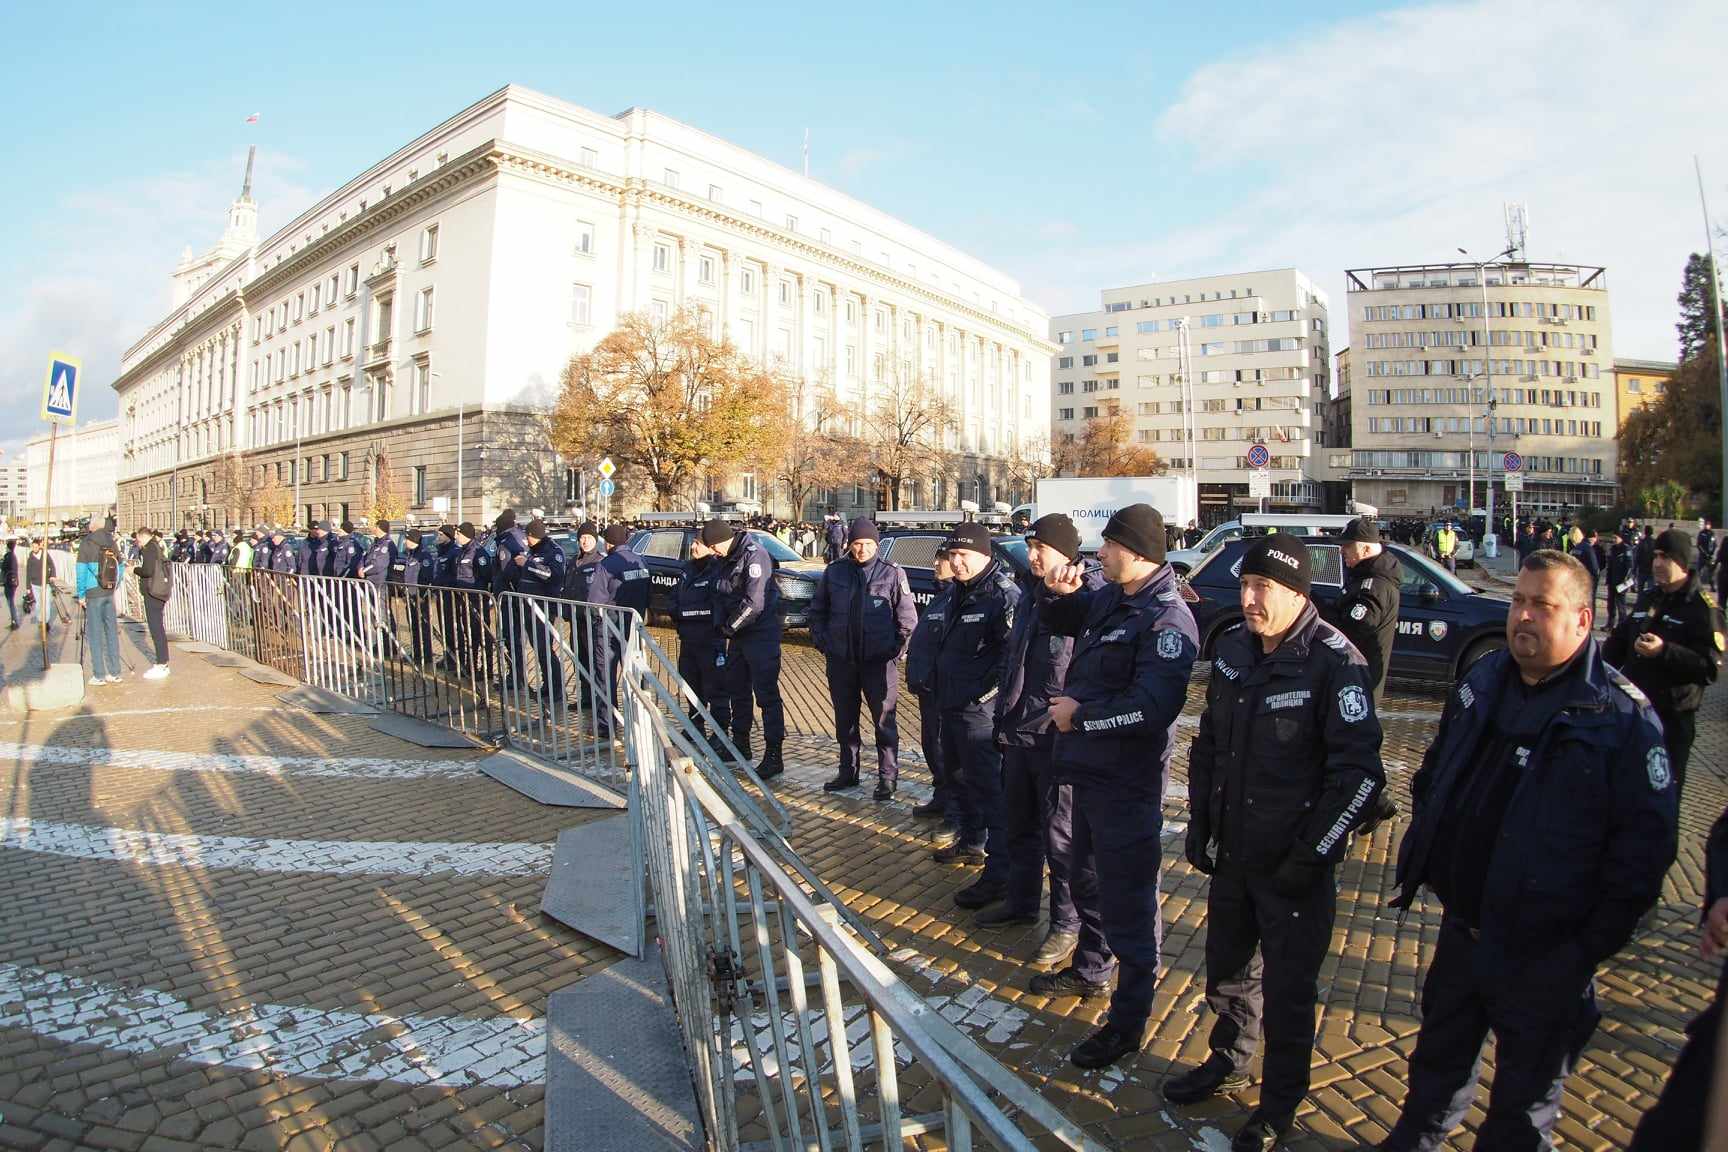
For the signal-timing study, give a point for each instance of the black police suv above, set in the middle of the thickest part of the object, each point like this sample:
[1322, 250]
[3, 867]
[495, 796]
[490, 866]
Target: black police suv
[666, 550]
[914, 549]
[1444, 625]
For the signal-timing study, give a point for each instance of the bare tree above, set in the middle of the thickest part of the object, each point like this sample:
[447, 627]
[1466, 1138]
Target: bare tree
[1105, 448]
[905, 430]
[817, 452]
[1028, 461]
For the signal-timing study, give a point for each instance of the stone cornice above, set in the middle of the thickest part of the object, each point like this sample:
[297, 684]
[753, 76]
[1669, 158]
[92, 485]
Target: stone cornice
[228, 309]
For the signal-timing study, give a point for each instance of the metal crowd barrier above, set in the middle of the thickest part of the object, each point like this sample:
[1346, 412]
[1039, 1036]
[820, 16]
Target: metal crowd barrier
[440, 658]
[197, 605]
[743, 946]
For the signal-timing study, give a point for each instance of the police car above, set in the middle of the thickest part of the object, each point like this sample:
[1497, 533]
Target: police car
[665, 551]
[914, 549]
[1444, 625]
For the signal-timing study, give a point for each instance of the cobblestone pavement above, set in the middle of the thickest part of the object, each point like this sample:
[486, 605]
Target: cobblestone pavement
[193, 876]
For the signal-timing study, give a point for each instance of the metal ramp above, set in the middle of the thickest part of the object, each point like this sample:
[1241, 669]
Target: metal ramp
[596, 883]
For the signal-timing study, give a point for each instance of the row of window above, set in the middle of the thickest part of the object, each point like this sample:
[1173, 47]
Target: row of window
[1549, 397]
[1472, 338]
[325, 293]
[1460, 461]
[338, 406]
[1503, 425]
[1505, 309]
[1187, 298]
[1524, 368]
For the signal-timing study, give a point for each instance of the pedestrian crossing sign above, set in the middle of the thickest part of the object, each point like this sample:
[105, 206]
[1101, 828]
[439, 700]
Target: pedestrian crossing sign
[60, 390]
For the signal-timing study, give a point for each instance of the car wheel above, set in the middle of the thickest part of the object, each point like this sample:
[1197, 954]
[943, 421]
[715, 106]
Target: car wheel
[1481, 648]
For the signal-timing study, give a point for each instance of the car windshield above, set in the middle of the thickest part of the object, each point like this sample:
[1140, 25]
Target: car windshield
[1015, 546]
[775, 549]
[1416, 568]
[1222, 534]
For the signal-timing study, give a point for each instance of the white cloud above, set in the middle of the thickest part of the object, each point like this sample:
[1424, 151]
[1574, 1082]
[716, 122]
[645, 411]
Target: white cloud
[97, 274]
[1396, 138]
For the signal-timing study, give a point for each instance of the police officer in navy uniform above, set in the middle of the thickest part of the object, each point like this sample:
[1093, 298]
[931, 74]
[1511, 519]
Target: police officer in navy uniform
[1367, 614]
[281, 554]
[218, 547]
[578, 571]
[470, 573]
[701, 647]
[975, 627]
[540, 572]
[345, 553]
[1544, 821]
[1285, 765]
[1671, 645]
[316, 553]
[512, 551]
[1135, 643]
[748, 602]
[621, 580]
[835, 538]
[376, 561]
[1039, 810]
[920, 658]
[412, 574]
[1619, 580]
[860, 619]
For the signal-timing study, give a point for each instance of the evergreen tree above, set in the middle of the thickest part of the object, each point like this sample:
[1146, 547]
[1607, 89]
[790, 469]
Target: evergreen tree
[1696, 331]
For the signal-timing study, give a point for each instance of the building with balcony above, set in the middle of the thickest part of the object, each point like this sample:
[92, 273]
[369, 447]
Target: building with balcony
[1451, 366]
[434, 300]
[1640, 383]
[1206, 367]
[14, 489]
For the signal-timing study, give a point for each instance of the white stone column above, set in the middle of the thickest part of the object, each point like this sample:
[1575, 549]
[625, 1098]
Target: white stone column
[728, 298]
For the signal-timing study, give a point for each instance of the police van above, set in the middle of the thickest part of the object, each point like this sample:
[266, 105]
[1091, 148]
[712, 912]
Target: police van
[1444, 625]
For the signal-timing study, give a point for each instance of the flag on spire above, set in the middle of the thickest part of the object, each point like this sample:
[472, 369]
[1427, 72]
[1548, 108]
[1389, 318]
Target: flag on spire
[252, 119]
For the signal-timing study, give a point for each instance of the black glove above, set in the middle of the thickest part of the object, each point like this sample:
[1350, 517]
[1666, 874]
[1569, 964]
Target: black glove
[1194, 847]
[1298, 873]
[1383, 809]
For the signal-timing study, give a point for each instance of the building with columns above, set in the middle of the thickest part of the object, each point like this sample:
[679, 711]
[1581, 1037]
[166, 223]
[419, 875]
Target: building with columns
[84, 473]
[435, 299]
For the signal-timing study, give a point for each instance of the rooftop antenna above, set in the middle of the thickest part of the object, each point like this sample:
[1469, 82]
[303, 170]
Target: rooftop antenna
[806, 153]
[1517, 229]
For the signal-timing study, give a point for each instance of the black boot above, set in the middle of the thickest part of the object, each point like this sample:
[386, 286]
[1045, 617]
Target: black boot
[1104, 1047]
[884, 790]
[771, 765]
[931, 809]
[1217, 1075]
[742, 743]
[842, 782]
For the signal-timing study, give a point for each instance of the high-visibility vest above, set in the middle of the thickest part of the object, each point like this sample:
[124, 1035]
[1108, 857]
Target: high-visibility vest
[1446, 540]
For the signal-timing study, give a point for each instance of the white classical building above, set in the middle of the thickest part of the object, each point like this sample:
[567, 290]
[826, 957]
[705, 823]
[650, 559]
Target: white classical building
[437, 297]
[86, 469]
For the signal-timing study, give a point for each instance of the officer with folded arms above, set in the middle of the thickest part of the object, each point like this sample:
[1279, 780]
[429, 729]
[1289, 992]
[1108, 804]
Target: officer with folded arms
[1134, 645]
[1286, 764]
[1671, 645]
[1544, 821]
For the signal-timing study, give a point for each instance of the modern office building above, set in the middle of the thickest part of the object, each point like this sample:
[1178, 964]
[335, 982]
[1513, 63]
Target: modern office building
[1331, 459]
[14, 489]
[1207, 368]
[435, 299]
[1432, 344]
[85, 472]
[1640, 383]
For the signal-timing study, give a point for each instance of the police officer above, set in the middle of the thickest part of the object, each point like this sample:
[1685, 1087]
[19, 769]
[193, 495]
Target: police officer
[835, 533]
[1039, 810]
[921, 678]
[343, 557]
[748, 603]
[1135, 643]
[621, 580]
[701, 648]
[1286, 763]
[468, 574]
[412, 574]
[240, 557]
[540, 572]
[377, 560]
[1643, 556]
[860, 619]
[1671, 645]
[262, 549]
[975, 626]
[1706, 553]
[512, 547]
[578, 572]
[1544, 822]
[282, 558]
[1620, 580]
[443, 557]
[1368, 615]
[315, 558]
[218, 547]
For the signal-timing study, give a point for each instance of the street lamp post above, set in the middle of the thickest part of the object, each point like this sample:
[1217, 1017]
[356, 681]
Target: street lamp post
[1488, 389]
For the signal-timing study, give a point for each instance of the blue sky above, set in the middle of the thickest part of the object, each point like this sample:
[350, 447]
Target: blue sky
[1076, 147]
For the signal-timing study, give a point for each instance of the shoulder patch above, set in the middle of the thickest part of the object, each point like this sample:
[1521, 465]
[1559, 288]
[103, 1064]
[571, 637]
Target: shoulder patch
[1709, 597]
[1656, 767]
[1360, 612]
[1336, 640]
[1169, 644]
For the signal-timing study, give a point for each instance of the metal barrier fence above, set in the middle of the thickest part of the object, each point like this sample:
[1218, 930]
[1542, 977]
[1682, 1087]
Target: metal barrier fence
[744, 945]
[198, 604]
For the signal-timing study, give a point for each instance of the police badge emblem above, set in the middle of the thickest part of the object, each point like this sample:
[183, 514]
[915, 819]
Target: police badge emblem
[1656, 766]
[1360, 612]
[755, 571]
[1436, 630]
[1352, 704]
[1169, 645]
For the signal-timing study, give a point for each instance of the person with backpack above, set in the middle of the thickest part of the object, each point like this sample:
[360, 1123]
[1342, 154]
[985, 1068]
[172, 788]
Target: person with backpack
[156, 583]
[98, 574]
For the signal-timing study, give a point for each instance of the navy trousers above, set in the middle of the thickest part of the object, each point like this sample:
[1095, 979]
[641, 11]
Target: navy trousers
[975, 805]
[696, 665]
[879, 685]
[1116, 854]
[1533, 1055]
[1040, 817]
[753, 666]
[930, 739]
[1677, 1120]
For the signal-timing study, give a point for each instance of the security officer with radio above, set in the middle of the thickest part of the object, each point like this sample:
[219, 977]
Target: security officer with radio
[748, 603]
[1134, 645]
[980, 614]
[701, 647]
[860, 619]
[281, 555]
[1671, 645]
[1620, 579]
[921, 679]
[621, 580]
[1368, 614]
[540, 572]
[1285, 765]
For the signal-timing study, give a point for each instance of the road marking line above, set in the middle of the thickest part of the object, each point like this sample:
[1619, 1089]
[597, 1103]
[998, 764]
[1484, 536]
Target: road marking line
[363, 768]
[270, 854]
[282, 1039]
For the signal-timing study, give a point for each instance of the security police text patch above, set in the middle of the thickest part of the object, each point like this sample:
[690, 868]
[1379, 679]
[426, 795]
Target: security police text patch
[1656, 765]
[1288, 700]
[1169, 645]
[1352, 703]
[1360, 612]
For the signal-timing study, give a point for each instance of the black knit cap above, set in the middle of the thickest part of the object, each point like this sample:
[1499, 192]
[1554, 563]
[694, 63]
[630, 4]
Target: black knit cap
[863, 528]
[1361, 530]
[536, 528]
[1058, 532]
[466, 528]
[1140, 529]
[506, 520]
[1280, 557]
[971, 536]
[588, 528]
[615, 535]
[1677, 546]
[716, 532]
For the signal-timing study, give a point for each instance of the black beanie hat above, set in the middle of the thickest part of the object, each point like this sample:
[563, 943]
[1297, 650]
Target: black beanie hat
[716, 532]
[536, 528]
[466, 528]
[1361, 530]
[615, 535]
[971, 536]
[1280, 557]
[863, 528]
[588, 528]
[1677, 546]
[1058, 532]
[506, 520]
[1140, 529]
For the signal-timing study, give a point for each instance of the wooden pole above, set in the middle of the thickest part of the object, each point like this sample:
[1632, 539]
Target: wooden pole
[42, 604]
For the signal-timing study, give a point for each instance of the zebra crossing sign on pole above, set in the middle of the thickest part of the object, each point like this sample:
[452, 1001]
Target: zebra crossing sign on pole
[60, 389]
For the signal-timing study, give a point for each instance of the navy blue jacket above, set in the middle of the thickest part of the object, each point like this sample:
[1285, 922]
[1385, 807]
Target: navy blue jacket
[1034, 667]
[1587, 836]
[1129, 671]
[469, 567]
[282, 557]
[693, 604]
[974, 632]
[1620, 577]
[579, 573]
[343, 558]
[261, 553]
[620, 579]
[1287, 761]
[1586, 555]
[505, 573]
[417, 567]
[543, 574]
[862, 614]
[927, 641]
[744, 590]
[377, 560]
[315, 557]
[219, 551]
[836, 541]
